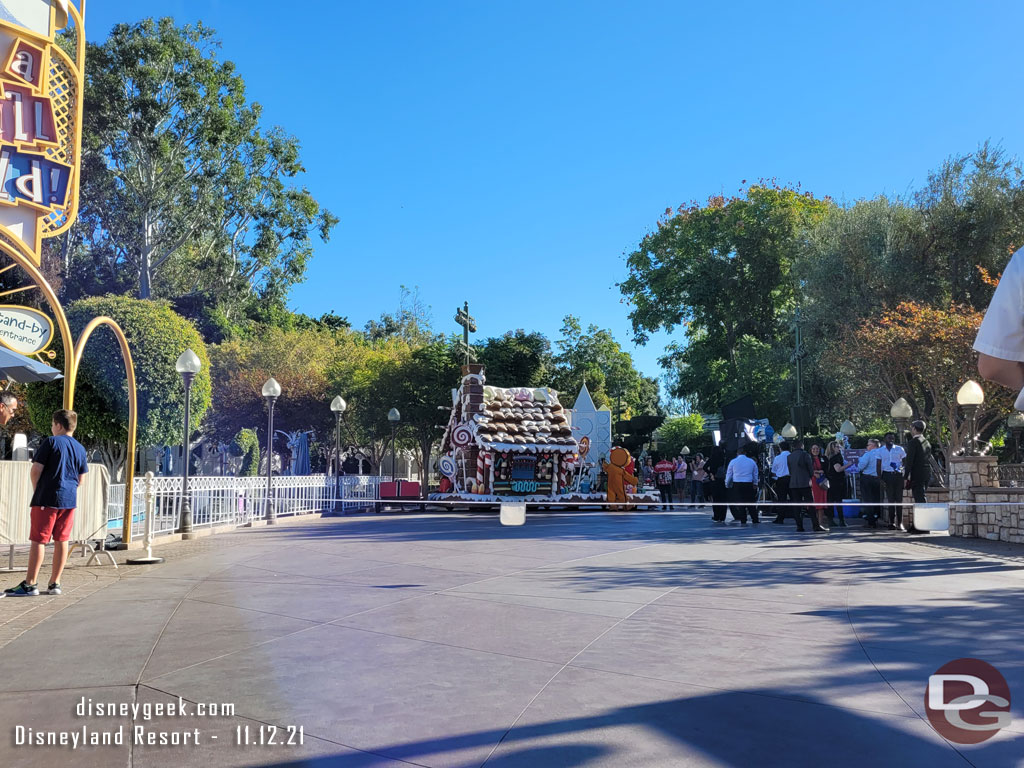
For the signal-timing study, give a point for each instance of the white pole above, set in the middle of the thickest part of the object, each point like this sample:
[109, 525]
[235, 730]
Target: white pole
[147, 538]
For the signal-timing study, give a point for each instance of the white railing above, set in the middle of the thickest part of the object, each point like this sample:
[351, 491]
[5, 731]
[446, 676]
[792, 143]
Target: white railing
[217, 500]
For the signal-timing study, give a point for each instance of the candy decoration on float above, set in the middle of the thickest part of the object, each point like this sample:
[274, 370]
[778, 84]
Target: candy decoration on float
[462, 436]
[447, 465]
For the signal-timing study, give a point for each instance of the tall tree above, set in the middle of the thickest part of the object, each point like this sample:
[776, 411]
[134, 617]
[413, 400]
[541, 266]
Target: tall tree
[182, 191]
[157, 336]
[517, 359]
[722, 271]
[593, 355]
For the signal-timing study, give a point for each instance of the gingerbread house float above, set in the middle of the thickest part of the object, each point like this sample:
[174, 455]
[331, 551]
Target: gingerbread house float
[513, 442]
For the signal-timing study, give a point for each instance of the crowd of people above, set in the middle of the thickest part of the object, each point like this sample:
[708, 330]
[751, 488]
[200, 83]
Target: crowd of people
[807, 482]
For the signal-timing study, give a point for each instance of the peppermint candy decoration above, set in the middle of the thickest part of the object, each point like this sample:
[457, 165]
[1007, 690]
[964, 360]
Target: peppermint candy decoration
[447, 466]
[462, 436]
[584, 446]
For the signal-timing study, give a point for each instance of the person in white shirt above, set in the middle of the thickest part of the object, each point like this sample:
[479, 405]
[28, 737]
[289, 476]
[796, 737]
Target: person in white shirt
[1000, 340]
[892, 456]
[741, 478]
[780, 471]
[870, 468]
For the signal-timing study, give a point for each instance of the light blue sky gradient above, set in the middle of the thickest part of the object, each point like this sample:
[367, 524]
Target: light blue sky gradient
[510, 153]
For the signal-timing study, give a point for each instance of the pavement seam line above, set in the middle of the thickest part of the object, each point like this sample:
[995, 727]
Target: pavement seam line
[892, 687]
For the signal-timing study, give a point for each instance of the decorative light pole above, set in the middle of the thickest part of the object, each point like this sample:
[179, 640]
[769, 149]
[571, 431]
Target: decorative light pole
[271, 391]
[685, 451]
[188, 365]
[1015, 423]
[847, 428]
[970, 397]
[901, 414]
[393, 418]
[788, 431]
[338, 406]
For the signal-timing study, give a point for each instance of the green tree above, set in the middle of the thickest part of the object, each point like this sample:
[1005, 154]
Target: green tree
[593, 355]
[426, 379]
[723, 273]
[182, 191]
[680, 431]
[516, 359]
[247, 445]
[156, 336]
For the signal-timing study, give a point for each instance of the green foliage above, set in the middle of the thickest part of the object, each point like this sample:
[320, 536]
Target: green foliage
[247, 445]
[593, 355]
[517, 359]
[156, 337]
[680, 431]
[183, 194]
[723, 273]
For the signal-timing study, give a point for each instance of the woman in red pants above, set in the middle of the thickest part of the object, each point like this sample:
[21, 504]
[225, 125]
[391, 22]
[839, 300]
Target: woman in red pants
[818, 491]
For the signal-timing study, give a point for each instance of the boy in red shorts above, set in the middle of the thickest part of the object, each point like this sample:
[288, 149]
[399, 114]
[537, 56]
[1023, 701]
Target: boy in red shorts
[57, 470]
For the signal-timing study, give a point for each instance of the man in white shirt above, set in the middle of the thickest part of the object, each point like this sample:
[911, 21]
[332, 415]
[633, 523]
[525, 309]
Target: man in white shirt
[892, 456]
[780, 471]
[1000, 340]
[741, 478]
[870, 468]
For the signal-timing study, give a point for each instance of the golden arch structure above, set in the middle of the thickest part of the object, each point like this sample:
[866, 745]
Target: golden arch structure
[40, 162]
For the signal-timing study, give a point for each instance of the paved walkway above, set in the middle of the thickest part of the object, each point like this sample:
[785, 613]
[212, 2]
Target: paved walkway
[637, 639]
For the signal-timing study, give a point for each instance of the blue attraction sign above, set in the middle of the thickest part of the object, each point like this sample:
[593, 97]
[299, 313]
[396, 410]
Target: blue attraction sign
[32, 179]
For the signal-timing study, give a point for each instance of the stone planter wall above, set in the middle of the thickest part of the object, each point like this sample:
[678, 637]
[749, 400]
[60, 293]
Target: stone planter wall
[974, 480]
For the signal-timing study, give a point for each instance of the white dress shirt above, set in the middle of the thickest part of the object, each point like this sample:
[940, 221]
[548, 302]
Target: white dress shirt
[742, 469]
[780, 466]
[890, 456]
[868, 464]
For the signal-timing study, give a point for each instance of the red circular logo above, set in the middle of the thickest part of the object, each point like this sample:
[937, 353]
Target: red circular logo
[967, 701]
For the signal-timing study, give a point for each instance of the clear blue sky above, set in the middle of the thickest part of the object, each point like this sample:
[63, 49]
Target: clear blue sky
[510, 153]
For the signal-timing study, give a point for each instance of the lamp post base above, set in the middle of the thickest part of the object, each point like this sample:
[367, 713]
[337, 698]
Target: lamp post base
[144, 560]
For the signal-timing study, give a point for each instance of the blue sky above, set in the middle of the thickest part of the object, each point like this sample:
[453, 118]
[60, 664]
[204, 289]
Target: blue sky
[511, 153]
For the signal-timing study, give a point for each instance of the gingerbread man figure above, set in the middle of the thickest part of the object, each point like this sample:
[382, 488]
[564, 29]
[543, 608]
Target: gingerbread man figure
[618, 477]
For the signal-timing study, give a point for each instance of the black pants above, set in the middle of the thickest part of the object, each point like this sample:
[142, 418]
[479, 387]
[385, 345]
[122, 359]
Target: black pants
[871, 491]
[892, 482]
[744, 496]
[917, 488]
[803, 496]
[782, 494]
[718, 508]
[666, 494]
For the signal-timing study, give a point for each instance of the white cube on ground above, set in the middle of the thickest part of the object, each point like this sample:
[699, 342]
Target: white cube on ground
[513, 513]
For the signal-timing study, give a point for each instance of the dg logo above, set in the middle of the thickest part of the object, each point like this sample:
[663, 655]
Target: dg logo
[967, 701]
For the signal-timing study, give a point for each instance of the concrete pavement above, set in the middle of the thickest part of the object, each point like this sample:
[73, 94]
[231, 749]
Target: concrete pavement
[635, 639]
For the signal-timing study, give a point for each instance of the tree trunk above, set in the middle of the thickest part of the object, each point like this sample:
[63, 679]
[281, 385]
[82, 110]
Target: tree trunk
[114, 458]
[146, 260]
[426, 445]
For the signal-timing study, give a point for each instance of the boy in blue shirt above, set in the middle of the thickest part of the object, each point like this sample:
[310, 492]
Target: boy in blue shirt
[57, 470]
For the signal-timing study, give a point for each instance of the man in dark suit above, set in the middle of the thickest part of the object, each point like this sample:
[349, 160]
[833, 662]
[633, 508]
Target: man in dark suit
[801, 475]
[918, 469]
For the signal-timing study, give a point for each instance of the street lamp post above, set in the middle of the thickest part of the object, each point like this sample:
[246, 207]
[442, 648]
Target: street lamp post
[788, 431]
[901, 413]
[271, 391]
[393, 418]
[970, 397]
[338, 406]
[188, 365]
[1015, 423]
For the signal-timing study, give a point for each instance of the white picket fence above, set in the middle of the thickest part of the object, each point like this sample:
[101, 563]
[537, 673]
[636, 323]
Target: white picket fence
[237, 500]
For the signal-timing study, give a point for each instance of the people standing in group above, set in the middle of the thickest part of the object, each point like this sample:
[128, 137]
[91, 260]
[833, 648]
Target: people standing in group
[835, 471]
[819, 485]
[741, 479]
[893, 455]
[801, 475]
[663, 479]
[870, 469]
[780, 471]
[680, 474]
[917, 468]
[716, 469]
[697, 475]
